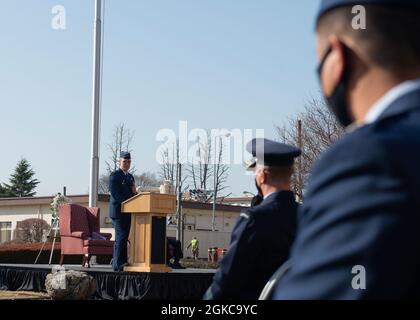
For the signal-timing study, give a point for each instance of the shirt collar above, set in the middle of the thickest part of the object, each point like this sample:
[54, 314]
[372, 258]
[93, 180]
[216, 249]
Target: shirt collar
[391, 96]
[268, 195]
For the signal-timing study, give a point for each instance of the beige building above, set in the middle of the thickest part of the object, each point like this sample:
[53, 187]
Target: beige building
[14, 210]
[198, 223]
[197, 219]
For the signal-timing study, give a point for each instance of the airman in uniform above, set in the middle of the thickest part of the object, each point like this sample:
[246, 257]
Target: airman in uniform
[122, 187]
[263, 234]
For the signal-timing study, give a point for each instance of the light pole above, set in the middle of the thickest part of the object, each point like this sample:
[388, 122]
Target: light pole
[96, 101]
[227, 135]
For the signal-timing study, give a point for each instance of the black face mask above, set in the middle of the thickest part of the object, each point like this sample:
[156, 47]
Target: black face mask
[258, 199]
[258, 188]
[337, 101]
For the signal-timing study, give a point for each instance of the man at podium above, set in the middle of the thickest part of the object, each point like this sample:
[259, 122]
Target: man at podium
[122, 187]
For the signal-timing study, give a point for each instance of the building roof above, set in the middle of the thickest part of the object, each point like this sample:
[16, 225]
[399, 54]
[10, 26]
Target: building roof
[209, 206]
[236, 201]
[29, 201]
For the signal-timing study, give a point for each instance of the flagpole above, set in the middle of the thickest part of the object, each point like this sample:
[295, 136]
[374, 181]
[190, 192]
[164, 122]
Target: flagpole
[94, 163]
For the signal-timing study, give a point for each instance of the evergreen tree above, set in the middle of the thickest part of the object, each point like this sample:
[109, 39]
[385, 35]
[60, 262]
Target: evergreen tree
[21, 182]
[4, 192]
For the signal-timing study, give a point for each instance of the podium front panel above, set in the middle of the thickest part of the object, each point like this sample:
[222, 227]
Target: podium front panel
[140, 240]
[158, 254]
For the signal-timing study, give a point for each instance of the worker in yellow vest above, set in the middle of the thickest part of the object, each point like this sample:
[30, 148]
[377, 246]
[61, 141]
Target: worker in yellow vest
[194, 248]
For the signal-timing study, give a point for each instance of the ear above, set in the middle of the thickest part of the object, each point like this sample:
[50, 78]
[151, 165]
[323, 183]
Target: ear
[334, 66]
[259, 175]
[264, 176]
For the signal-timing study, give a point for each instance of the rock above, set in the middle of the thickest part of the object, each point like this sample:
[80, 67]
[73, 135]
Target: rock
[70, 285]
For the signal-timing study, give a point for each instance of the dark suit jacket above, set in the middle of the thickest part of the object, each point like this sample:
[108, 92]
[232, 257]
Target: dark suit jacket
[120, 188]
[261, 241]
[362, 208]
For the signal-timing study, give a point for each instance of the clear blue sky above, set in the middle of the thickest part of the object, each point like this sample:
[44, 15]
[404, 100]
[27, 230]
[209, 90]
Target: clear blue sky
[246, 64]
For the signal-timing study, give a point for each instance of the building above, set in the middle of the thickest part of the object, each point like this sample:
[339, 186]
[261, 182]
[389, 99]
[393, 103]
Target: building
[14, 210]
[236, 201]
[198, 223]
[197, 219]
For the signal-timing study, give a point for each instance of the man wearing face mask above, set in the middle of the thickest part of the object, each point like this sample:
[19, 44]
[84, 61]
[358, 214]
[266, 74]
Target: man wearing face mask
[263, 235]
[359, 227]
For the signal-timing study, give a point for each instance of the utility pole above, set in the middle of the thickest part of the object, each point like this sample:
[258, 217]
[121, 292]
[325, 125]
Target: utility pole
[299, 188]
[216, 167]
[96, 101]
[213, 218]
[178, 199]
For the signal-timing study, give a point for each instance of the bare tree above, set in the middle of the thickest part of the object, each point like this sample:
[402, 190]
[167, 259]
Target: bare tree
[208, 178]
[170, 167]
[103, 186]
[222, 171]
[145, 180]
[200, 172]
[121, 141]
[313, 130]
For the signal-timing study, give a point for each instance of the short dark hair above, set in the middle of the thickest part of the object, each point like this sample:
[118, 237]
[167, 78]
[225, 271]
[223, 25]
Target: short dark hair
[391, 39]
[280, 173]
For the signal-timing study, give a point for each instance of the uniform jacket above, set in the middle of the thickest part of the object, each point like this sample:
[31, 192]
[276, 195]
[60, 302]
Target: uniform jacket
[120, 185]
[260, 243]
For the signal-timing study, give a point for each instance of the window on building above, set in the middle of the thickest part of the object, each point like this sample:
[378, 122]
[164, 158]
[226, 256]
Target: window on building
[5, 231]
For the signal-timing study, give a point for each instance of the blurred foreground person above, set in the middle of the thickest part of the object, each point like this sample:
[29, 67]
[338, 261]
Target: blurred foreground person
[359, 226]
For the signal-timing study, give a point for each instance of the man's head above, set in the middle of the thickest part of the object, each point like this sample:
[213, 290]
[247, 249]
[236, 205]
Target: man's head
[358, 66]
[272, 178]
[125, 161]
[272, 164]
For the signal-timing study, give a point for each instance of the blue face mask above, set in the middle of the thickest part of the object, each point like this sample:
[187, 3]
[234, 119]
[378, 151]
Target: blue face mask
[337, 101]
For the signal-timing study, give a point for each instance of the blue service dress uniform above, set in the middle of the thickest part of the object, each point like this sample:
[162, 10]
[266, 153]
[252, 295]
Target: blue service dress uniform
[260, 243]
[120, 186]
[362, 209]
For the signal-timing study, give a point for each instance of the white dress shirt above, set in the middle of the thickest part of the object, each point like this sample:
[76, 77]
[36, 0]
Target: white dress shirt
[391, 96]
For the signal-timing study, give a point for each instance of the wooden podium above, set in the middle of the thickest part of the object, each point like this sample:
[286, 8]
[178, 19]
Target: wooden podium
[148, 231]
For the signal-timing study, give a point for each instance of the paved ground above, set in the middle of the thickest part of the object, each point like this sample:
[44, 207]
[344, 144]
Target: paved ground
[21, 295]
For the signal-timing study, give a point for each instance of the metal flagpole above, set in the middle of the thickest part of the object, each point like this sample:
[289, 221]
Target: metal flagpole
[94, 164]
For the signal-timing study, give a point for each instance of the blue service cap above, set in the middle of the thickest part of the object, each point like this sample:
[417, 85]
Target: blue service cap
[125, 155]
[271, 153]
[327, 5]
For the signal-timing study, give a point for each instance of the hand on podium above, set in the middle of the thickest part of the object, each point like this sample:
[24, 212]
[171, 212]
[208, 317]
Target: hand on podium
[134, 190]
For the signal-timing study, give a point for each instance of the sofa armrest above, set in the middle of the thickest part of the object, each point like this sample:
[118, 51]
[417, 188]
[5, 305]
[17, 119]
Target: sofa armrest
[79, 234]
[108, 236]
